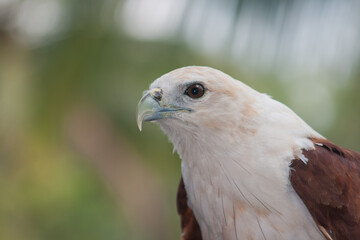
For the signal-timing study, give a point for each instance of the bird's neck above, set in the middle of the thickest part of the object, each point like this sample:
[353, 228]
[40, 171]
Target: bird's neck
[228, 174]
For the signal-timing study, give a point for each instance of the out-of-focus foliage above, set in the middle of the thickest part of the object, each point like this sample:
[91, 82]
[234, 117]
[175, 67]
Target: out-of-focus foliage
[73, 164]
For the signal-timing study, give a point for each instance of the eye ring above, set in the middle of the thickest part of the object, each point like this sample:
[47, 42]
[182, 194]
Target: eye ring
[196, 90]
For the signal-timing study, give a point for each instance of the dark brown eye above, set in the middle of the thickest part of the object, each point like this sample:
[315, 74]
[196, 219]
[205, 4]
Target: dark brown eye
[195, 91]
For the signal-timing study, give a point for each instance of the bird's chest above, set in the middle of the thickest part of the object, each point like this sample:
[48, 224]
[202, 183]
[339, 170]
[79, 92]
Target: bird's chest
[227, 209]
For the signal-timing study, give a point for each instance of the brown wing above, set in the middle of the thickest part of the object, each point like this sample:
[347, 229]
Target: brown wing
[189, 226]
[329, 185]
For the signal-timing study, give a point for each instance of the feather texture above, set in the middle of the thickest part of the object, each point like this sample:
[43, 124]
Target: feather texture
[190, 229]
[329, 185]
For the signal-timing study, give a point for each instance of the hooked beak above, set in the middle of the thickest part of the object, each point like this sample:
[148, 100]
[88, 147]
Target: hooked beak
[150, 108]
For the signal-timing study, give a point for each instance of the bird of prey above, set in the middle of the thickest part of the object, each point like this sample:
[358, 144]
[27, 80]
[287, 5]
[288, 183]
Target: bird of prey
[251, 168]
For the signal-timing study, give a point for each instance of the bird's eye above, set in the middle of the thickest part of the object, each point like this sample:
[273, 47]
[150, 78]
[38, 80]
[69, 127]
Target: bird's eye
[195, 91]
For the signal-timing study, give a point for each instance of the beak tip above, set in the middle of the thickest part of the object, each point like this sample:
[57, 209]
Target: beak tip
[139, 124]
[146, 107]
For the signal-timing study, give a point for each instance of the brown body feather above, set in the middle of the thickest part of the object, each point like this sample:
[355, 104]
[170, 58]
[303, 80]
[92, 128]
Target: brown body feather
[329, 185]
[190, 229]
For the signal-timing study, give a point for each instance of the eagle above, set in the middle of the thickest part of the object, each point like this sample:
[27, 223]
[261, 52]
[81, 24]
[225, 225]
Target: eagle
[251, 168]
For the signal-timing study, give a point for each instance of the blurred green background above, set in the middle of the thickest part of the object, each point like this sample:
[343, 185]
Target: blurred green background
[73, 164]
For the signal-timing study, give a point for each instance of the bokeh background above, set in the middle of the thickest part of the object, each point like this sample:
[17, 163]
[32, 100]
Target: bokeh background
[73, 164]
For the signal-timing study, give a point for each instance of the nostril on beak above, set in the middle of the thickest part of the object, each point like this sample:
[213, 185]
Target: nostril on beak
[156, 94]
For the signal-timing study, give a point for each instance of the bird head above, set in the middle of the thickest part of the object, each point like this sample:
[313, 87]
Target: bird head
[195, 98]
